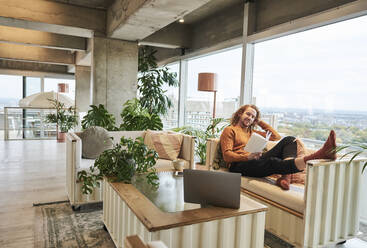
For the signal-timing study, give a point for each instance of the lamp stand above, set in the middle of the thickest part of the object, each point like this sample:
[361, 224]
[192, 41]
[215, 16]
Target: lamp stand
[214, 105]
[215, 100]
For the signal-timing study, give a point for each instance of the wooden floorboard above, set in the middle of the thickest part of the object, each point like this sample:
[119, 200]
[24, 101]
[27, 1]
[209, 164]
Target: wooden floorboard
[30, 172]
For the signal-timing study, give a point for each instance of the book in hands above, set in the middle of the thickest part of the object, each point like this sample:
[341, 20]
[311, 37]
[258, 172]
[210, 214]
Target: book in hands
[257, 142]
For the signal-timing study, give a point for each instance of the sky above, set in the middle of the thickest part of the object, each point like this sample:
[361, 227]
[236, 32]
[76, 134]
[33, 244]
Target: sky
[323, 68]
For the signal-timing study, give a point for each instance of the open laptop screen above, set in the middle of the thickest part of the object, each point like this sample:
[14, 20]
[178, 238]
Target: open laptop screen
[221, 189]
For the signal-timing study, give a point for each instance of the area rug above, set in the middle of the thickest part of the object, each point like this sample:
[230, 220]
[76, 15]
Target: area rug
[57, 225]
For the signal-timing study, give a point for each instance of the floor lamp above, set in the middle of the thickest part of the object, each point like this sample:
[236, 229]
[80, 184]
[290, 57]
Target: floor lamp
[207, 81]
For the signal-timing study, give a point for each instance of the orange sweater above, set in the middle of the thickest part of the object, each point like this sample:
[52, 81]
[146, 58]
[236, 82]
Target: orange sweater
[234, 138]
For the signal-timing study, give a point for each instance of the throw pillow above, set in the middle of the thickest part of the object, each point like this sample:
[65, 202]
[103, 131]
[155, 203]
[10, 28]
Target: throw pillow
[167, 145]
[94, 141]
[300, 177]
[218, 161]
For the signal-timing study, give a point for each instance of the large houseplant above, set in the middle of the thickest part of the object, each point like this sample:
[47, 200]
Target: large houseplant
[151, 81]
[65, 119]
[120, 164]
[99, 116]
[144, 112]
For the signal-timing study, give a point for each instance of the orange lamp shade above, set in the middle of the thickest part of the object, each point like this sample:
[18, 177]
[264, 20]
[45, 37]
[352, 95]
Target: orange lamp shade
[207, 81]
[63, 88]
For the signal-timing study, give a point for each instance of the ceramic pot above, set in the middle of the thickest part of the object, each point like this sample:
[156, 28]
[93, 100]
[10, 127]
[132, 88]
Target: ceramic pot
[61, 137]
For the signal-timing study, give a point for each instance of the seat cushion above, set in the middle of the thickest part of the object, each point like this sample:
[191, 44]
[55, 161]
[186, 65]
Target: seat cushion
[265, 187]
[166, 165]
[167, 145]
[94, 141]
[85, 164]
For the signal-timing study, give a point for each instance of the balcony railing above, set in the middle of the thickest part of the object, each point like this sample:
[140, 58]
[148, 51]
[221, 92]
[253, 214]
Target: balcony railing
[27, 123]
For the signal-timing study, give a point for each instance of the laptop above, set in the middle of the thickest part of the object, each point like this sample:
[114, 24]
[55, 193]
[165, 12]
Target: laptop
[221, 189]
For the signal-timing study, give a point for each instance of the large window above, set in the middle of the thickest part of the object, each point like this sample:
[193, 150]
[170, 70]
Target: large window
[199, 104]
[26, 123]
[315, 81]
[10, 94]
[171, 119]
[51, 84]
[11, 91]
[33, 85]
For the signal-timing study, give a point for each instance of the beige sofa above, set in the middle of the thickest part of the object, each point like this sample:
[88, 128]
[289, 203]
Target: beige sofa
[75, 163]
[324, 211]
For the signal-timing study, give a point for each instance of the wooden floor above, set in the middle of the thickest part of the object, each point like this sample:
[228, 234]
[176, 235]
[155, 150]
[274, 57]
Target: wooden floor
[34, 172]
[30, 172]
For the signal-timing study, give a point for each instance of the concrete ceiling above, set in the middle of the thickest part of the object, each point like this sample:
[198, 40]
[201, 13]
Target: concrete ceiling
[197, 15]
[67, 25]
[208, 9]
[95, 4]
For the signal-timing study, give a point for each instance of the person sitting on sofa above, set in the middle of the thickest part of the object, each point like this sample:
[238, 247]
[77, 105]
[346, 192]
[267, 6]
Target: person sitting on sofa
[281, 159]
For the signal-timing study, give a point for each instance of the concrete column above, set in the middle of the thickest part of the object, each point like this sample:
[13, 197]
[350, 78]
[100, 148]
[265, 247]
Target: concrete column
[114, 73]
[182, 92]
[247, 55]
[82, 88]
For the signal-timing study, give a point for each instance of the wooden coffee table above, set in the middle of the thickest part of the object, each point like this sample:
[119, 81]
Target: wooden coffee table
[163, 215]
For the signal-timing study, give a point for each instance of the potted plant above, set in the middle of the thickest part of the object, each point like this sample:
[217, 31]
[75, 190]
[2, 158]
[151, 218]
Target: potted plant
[120, 164]
[354, 151]
[99, 116]
[144, 112]
[136, 117]
[150, 82]
[213, 130]
[65, 119]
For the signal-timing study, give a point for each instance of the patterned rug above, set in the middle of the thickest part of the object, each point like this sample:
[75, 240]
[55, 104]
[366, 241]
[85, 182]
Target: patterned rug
[57, 225]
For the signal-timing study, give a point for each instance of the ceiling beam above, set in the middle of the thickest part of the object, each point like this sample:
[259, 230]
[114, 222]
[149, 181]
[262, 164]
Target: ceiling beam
[52, 17]
[136, 19]
[31, 66]
[41, 39]
[35, 54]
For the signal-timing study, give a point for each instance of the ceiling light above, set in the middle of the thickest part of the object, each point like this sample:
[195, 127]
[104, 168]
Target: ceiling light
[181, 20]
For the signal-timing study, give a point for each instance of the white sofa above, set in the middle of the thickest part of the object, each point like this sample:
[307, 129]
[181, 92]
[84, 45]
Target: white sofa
[75, 163]
[325, 211]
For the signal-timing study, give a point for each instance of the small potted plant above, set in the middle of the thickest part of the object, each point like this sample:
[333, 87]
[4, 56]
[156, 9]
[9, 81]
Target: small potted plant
[123, 162]
[65, 119]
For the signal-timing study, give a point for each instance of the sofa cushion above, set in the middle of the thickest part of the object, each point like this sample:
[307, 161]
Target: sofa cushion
[167, 145]
[300, 177]
[265, 187]
[85, 165]
[166, 165]
[218, 161]
[94, 141]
